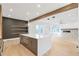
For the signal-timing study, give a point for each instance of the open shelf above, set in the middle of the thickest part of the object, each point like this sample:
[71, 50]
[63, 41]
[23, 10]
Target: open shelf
[13, 27]
[19, 29]
[18, 33]
[18, 26]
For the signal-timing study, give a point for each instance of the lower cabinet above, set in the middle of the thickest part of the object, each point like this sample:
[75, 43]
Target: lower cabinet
[30, 43]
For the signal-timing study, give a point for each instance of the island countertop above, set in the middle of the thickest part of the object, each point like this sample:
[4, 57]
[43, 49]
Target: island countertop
[36, 36]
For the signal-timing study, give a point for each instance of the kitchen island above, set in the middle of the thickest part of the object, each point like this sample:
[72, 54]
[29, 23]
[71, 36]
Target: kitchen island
[37, 44]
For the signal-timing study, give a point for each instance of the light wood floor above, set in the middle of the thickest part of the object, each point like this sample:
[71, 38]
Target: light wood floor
[17, 50]
[60, 47]
[12, 47]
[63, 47]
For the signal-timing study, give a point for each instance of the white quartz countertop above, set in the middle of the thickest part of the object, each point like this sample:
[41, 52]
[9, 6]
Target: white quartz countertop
[35, 36]
[29, 35]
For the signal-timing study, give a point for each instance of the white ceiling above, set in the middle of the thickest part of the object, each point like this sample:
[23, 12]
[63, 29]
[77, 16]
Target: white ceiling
[27, 11]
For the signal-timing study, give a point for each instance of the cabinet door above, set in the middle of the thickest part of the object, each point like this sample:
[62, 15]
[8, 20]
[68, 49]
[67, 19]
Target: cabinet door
[34, 46]
[26, 42]
[29, 43]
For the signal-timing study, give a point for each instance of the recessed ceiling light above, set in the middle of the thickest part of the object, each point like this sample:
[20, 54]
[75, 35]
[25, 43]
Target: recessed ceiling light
[27, 13]
[38, 5]
[11, 9]
[37, 13]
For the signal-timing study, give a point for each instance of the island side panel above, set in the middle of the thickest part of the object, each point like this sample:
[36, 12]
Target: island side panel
[30, 43]
[44, 44]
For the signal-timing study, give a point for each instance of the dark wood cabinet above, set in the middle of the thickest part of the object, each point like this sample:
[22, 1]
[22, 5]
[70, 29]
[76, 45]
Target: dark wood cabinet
[13, 27]
[0, 21]
[30, 43]
[1, 40]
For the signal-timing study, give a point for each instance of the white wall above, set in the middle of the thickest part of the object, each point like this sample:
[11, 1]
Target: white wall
[69, 19]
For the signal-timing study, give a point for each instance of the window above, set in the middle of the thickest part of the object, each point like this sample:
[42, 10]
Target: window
[39, 29]
[56, 29]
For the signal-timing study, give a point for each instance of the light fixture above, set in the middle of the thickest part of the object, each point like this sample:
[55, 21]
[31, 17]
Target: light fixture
[37, 13]
[38, 5]
[48, 19]
[11, 9]
[27, 13]
[53, 17]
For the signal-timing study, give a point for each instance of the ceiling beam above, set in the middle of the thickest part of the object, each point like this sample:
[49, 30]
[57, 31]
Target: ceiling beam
[59, 10]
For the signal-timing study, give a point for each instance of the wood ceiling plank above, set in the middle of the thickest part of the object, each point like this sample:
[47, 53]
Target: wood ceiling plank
[62, 9]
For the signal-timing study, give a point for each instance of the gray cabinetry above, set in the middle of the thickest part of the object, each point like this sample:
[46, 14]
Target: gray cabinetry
[30, 43]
